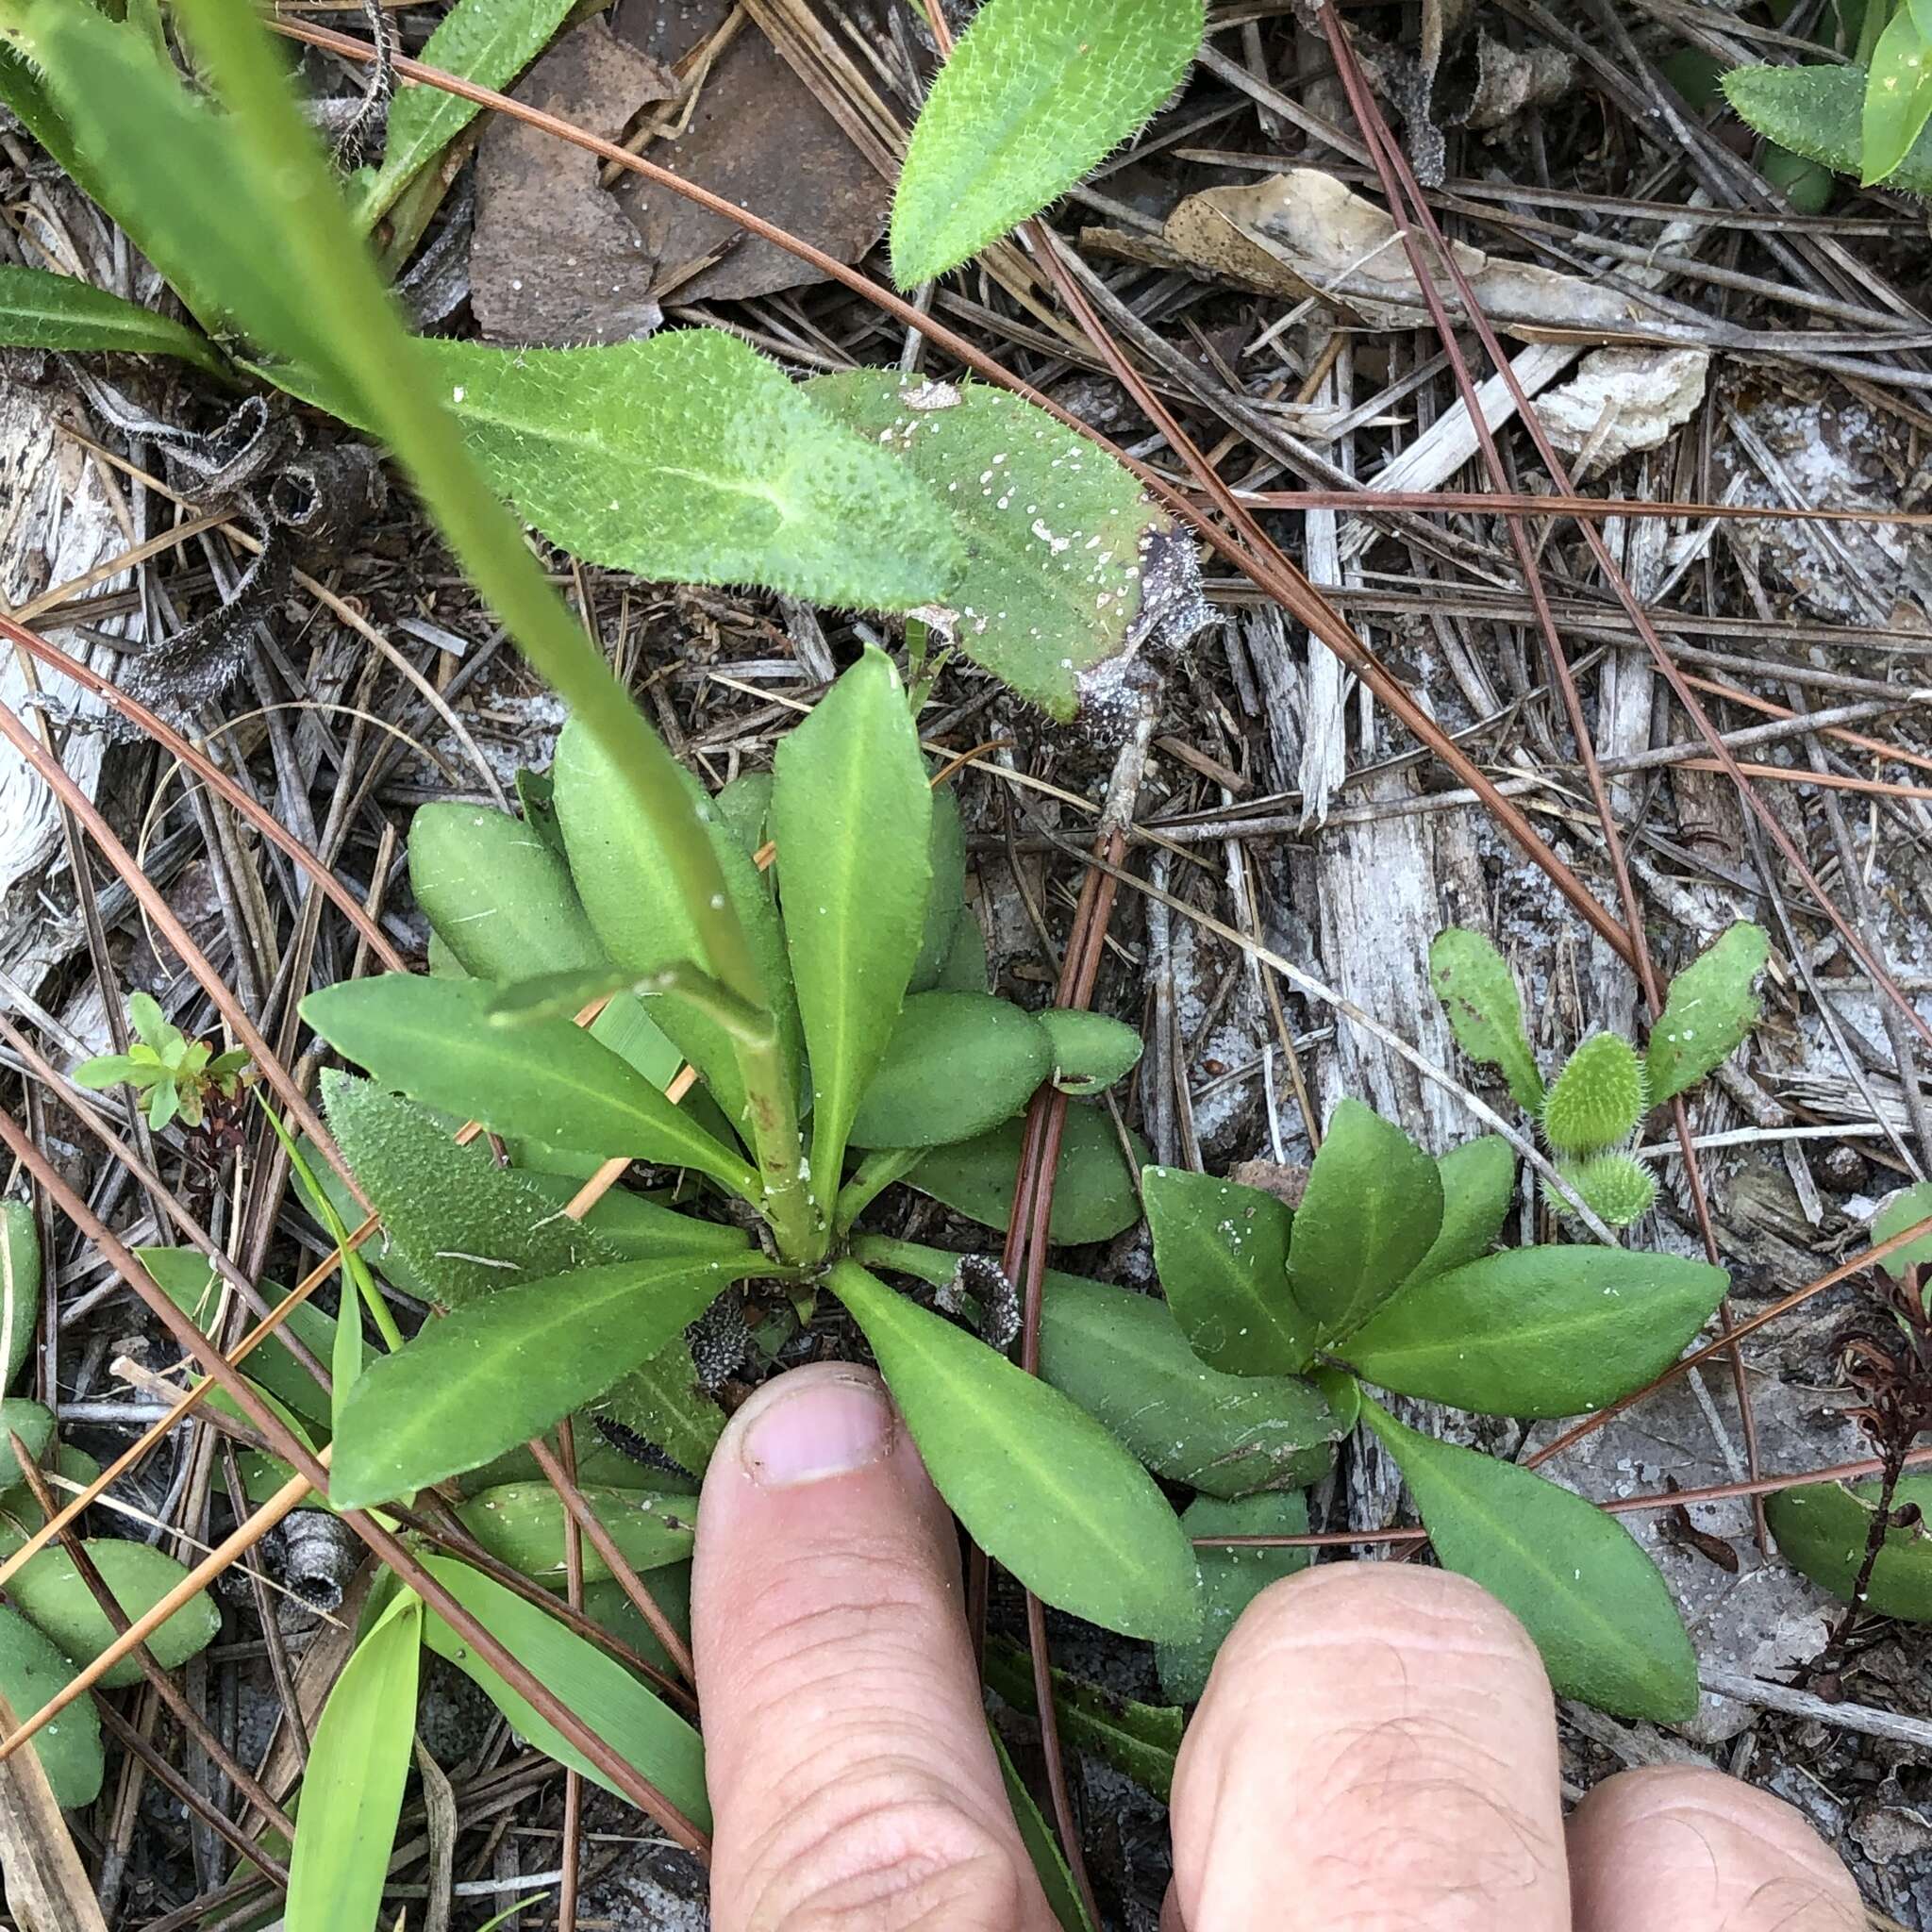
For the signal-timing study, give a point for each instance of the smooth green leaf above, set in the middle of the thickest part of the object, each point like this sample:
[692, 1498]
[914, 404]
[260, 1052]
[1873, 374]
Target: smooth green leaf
[1898, 97]
[1036, 93]
[40, 310]
[745, 805]
[1231, 1579]
[1478, 993]
[1599, 1098]
[1039, 1485]
[1220, 1251]
[965, 968]
[1371, 1212]
[34, 1425]
[1904, 1209]
[144, 1014]
[1139, 1741]
[352, 1790]
[1824, 1528]
[1708, 1011]
[1593, 1601]
[1478, 1185]
[524, 1524]
[469, 1229]
[69, 1748]
[612, 1611]
[50, 1592]
[112, 1070]
[1064, 552]
[20, 1288]
[433, 1040]
[1094, 1195]
[1035, 1834]
[852, 814]
[945, 902]
[956, 1064]
[509, 1365]
[1818, 112]
[1541, 1331]
[644, 1732]
[1090, 1050]
[489, 41]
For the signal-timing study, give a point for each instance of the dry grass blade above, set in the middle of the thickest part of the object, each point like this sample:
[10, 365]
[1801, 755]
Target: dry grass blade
[47, 1885]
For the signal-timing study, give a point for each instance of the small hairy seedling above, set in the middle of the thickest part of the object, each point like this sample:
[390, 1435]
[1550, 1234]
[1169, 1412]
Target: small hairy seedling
[1616, 1189]
[1598, 1098]
[177, 1078]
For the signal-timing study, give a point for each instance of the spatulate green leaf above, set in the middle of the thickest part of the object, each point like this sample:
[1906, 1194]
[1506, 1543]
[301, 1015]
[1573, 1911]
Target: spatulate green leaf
[20, 1288]
[42, 310]
[1040, 1486]
[51, 1594]
[1478, 993]
[508, 1366]
[1898, 96]
[524, 1524]
[852, 814]
[1708, 1011]
[1478, 1185]
[1221, 1253]
[31, 1670]
[1371, 1212]
[352, 1793]
[1231, 1578]
[1090, 1050]
[1824, 1528]
[644, 1732]
[1588, 1596]
[1906, 1208]
[1093, 1196]
[1817, 111]
[1036, 93]
[1541, 1331]
[34, 1425]
[945, 903]
[956, 1064]
[1065, 557]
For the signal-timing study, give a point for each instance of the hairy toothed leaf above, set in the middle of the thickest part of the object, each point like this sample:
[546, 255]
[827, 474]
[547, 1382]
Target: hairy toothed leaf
[489, 41]
[352, 1790]
[1041, 1486]
[31, 1670]
[1478, 1184]
[1221, 1253]
[1540, 1331]
[1817, 112]
[1593, 1601]
[1231, 1578]
[432, 1039]
[1898, 96]
[1066, 559]
[505, 1368]
[1615, 1187]
[1904, 1210]
[20, 1288]
[852, 814]
[1708, 1012]
[956, 1064]
[1090, 1050]
[524, 1524]
[1478, 993]
[42, 310]
[594, 1687]
[1369, 1214]
[1036, 93]
[1824, 1529]
[1599, 1097]
[1093, 1196]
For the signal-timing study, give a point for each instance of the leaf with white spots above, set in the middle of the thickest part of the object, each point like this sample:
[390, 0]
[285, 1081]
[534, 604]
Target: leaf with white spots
[1070, 567]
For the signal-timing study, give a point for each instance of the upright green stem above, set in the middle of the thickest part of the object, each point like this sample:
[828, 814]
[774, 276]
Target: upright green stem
[935, 1265]
[877, 1173]
[771, 1101]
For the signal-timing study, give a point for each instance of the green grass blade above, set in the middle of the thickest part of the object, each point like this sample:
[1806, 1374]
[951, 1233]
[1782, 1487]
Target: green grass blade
[40, 310]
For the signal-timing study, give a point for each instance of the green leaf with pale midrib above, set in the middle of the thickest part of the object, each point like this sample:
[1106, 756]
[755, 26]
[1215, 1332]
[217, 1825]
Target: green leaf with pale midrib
[1034, 95]
[1231, 1578]
[505, 1368]
[42, 310]
[524, 1525]
[1093, 1196]
[1593, 1601]
[1485, 1011]
[1039, 1485]
[1816, 111]
[956, 1064]
[1708, 1010]
[1824, 1529]
[1478, 1185]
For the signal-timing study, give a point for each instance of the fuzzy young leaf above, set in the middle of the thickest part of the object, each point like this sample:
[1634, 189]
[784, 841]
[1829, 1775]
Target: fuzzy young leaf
[1036, 93]
[1824, 1529]
[1898, 96]
[1708, 1010]
[1478, 1185]
[524, 1525]
[352, 1793]
[1593, 1601]
[1090, 1050]
[852, 814]
[1066, 558]
[956, 1064]
[1904, 1209]
[1478, 993]
[1093, 1197]
[42, 310]
[1039, 1485]
[644, 1732]
[1599, 1097]
[31, 1670]
[1221, 1253]
[20, 1288]
[505, 1369]
[1615, 1187]
[1543, 1331]
[1817, 112]
[50, 1592]
[432, 1039]
[1371, 1212]
[1231, 1579]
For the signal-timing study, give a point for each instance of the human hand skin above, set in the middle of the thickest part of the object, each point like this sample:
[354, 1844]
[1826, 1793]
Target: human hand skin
[1377, 1750]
